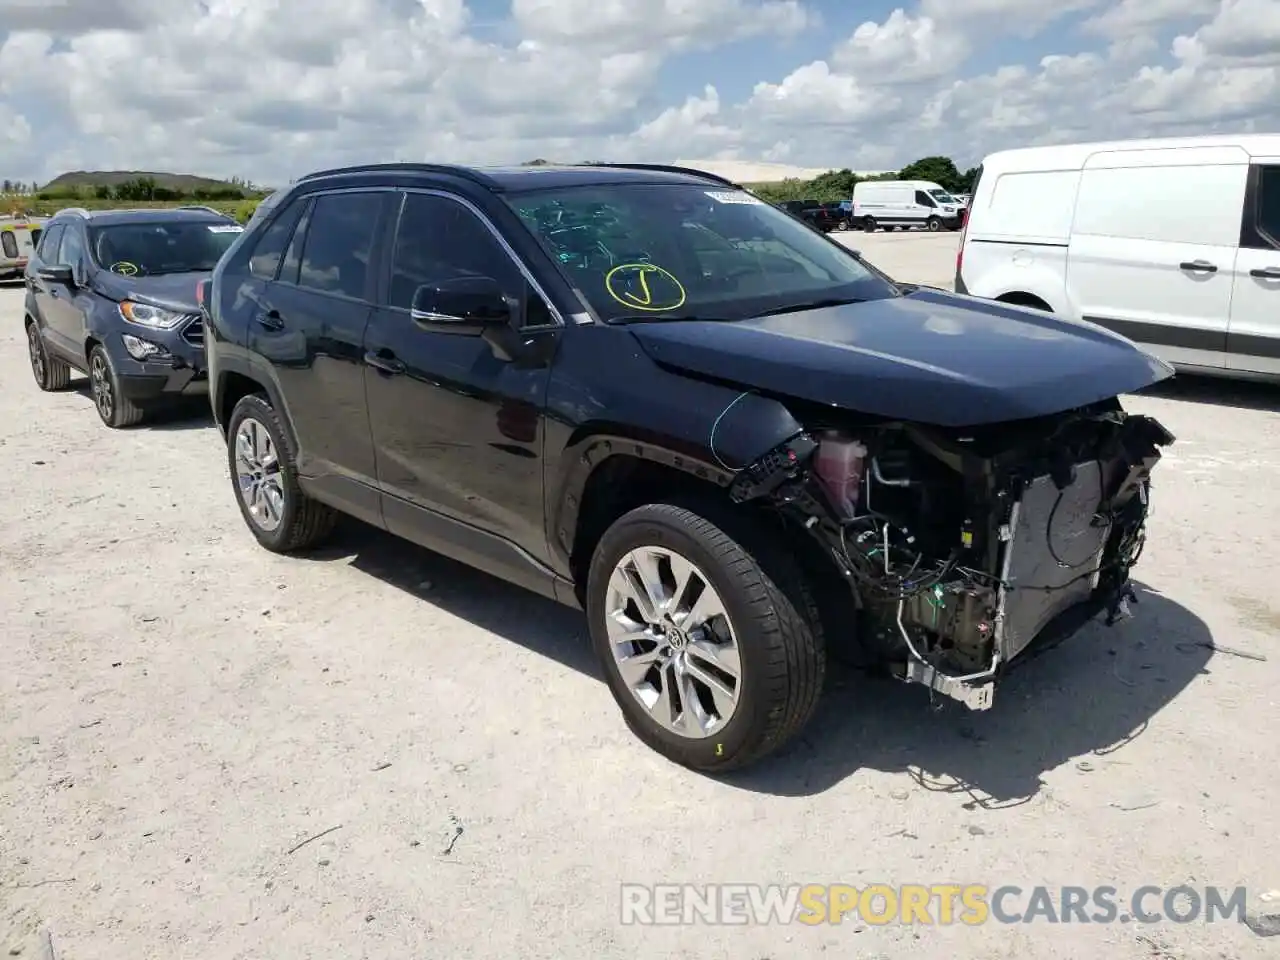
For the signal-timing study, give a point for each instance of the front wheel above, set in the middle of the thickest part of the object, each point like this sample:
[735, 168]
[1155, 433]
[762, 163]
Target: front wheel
[934, 224]
[713, 653]
[280, 515]
[114, 408]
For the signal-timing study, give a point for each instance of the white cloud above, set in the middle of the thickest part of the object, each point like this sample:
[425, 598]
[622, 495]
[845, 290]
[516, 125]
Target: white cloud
[272, 88]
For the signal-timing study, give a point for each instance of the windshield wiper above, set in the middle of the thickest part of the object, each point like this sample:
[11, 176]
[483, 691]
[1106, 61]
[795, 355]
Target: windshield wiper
[649, 317]
[812, 305]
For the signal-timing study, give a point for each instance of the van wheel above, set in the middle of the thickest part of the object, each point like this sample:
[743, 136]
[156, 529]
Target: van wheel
[712, 649]
[934, 224]
[869, 224]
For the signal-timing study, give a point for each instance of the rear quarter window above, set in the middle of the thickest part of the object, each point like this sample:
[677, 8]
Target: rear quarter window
[1035, 205]
[1169, 204]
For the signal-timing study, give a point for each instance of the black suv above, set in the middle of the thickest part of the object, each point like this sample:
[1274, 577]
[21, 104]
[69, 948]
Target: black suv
[644, 392]
[113, 293]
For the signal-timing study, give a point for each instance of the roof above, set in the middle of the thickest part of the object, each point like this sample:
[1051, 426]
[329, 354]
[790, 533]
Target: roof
[501, 179]
[144, 215]
[1073, 155]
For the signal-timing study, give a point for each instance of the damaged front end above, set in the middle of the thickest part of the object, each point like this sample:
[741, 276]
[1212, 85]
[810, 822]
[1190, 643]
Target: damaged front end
[961, 547]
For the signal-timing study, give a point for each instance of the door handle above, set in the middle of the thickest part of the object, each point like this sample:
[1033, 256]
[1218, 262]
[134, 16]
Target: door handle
[386, 364]
[269, 319]
[1266, 273]
[1198, 266]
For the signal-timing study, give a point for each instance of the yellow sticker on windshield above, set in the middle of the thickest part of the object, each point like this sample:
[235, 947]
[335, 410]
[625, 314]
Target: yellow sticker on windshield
[642, 286]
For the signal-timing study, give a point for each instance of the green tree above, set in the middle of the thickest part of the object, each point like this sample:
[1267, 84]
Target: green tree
[102, 192]
[939, 170]
[6, 186]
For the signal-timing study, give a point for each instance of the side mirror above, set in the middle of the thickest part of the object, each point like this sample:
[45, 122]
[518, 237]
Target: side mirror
[467, 306]
[58, 273]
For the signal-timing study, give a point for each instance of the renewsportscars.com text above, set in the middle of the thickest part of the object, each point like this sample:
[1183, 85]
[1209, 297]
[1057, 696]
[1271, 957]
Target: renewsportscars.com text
[925, 904]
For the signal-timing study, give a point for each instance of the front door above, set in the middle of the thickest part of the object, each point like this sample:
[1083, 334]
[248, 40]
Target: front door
[65, 313]
[457, 427]
[1253, 340]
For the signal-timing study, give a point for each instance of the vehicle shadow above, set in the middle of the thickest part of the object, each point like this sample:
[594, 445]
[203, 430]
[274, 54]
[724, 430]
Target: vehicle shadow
[190, 413]
[1087, 697]
[1219, 391]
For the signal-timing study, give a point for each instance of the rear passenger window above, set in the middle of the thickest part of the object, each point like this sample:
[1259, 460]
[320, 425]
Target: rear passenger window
[338, 247]
[265, 260]
[1197, 204]
[1268, 208]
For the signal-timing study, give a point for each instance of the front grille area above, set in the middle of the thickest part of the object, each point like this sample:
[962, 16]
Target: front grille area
[193, 332]
[1054, 554]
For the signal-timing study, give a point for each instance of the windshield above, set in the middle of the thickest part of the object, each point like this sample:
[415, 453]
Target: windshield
[942, 196]
[657, 251]
[170, 246]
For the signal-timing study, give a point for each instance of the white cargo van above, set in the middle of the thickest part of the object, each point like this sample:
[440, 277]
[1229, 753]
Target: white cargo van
[1174, 244]
[18, 238]
[903, 203]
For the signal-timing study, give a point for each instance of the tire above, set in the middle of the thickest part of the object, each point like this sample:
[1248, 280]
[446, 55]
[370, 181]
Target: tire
[933, 224]
[114, 409]
[775, 623]
[51, 374]
[281, 517]
[869, 224]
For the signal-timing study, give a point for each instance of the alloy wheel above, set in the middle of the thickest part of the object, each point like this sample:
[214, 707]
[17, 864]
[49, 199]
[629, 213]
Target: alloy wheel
[100, 384]
[258, 478]
[35, 348]
[673, 642]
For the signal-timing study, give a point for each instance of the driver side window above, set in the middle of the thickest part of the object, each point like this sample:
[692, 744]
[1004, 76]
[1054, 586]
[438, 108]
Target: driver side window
[924, 199]
[439, 239]
[72, 250]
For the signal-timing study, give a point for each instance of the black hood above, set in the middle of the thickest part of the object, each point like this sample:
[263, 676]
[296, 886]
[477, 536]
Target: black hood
[176, 291]
[929, 357]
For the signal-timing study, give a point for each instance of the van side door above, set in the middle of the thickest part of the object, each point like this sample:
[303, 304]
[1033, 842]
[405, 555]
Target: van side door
[1153, 248]
[1253, 338]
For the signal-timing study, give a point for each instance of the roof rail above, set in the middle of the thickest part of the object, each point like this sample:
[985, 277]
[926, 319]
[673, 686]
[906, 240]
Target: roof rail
[206, 209]
[78, 211]
[668, 168]
[466, 173]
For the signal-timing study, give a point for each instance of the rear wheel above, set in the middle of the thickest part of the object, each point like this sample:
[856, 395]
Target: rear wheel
[263, 469]
[51, 374]
[869, 224]
[713, 653]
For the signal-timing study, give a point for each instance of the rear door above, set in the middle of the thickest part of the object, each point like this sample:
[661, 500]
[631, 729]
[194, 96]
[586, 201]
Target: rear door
[308, 327]
[46, 255]
[1253, 339]
[1153, 247]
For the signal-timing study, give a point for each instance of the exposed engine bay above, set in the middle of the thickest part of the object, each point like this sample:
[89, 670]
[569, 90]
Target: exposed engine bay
[961, 547]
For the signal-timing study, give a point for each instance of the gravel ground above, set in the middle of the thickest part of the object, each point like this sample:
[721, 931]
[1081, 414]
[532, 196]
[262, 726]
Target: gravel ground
[179, 709]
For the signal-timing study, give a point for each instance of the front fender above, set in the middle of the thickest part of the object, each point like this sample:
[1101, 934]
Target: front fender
[618, 402]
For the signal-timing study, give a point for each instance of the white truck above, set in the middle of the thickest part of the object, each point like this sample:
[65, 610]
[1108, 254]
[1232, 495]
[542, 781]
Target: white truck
[19, 235]
[894, 204]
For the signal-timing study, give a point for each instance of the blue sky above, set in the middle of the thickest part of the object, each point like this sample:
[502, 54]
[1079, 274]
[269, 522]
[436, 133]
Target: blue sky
[267, 90]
